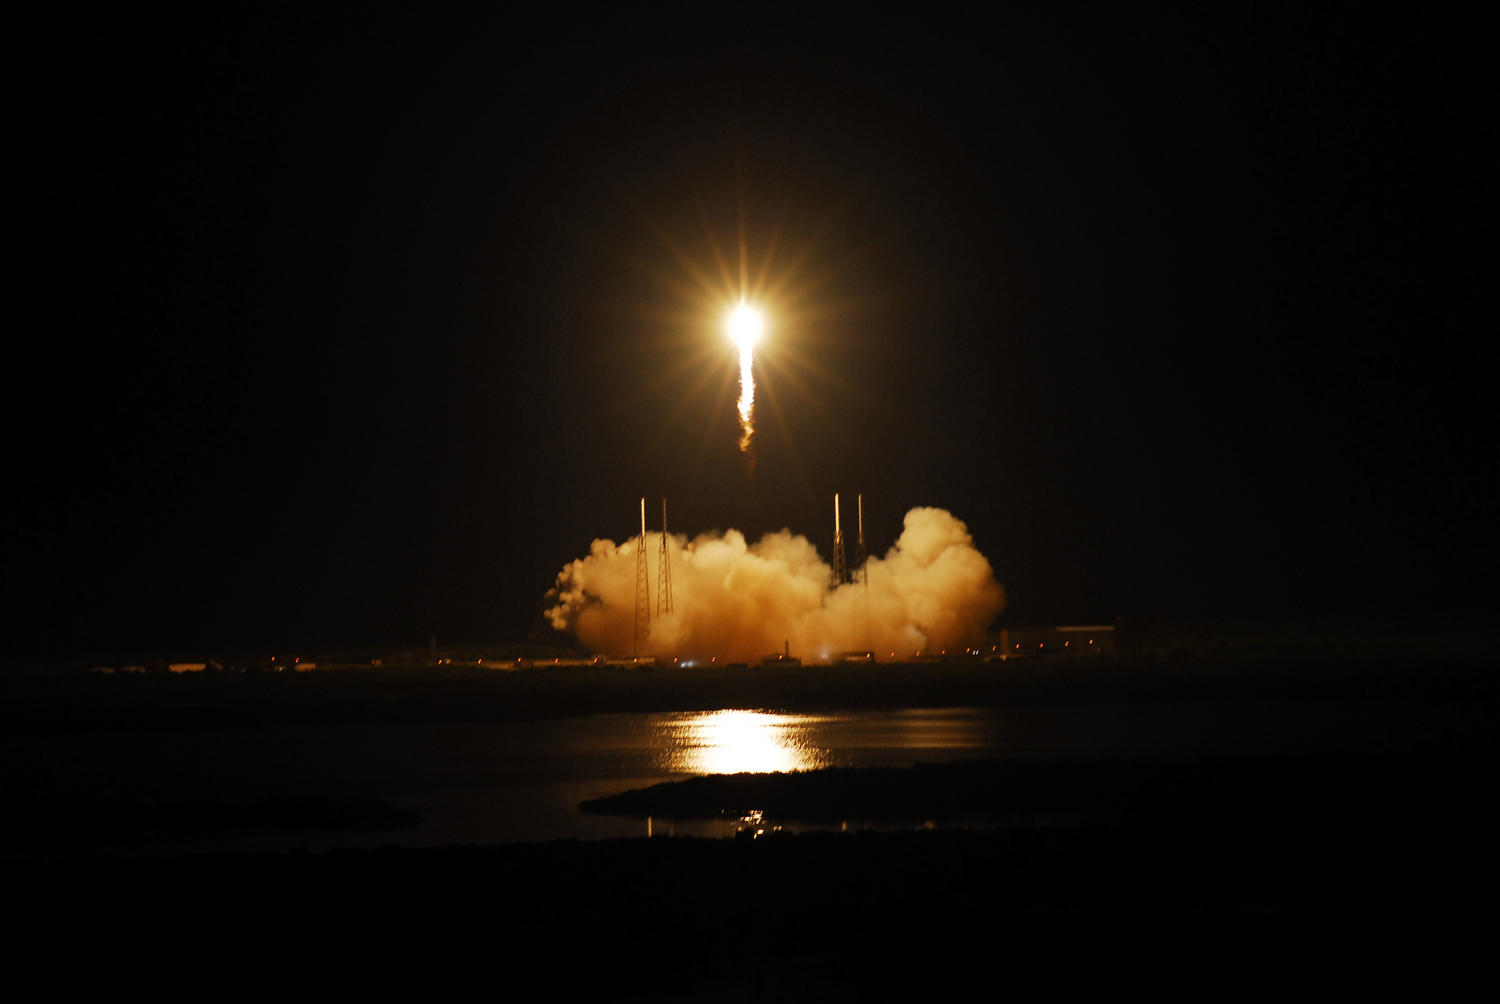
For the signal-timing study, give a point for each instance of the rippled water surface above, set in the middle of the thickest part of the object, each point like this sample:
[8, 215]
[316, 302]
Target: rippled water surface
[492, 782]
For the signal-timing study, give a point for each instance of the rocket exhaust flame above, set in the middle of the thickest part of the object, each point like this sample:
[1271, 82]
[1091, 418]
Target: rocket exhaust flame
[745, 327]
[733, 601]
[747, 399]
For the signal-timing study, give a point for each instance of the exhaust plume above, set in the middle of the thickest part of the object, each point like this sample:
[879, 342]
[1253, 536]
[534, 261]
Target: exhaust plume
[745, 327]
[737, 602]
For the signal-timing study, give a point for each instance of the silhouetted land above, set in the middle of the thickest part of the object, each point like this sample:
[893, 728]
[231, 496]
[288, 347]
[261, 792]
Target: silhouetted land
[1316, 790]
[32, 825]
[900, 916]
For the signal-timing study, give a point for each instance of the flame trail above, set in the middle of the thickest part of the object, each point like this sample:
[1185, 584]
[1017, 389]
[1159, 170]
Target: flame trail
[745, 327]
[747, 398]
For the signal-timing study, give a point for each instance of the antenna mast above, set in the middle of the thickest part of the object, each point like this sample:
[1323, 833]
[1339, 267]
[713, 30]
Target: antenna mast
[642, 591]
[664, 570]
[861, 574]
[840, 570]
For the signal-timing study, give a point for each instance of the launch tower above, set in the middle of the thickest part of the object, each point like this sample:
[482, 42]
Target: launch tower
[663, 569]
[642, 592]
[840, 570]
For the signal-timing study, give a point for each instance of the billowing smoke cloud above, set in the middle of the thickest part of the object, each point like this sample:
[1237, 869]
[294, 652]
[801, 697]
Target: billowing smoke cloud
[738, 602]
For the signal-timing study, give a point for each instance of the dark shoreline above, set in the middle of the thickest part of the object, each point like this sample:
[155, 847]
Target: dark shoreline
[60, 826]
[1307, 790]
[81, 702]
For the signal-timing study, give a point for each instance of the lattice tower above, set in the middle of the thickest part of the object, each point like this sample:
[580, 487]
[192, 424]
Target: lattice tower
[840, 570]
[663, 569]
[642, 592]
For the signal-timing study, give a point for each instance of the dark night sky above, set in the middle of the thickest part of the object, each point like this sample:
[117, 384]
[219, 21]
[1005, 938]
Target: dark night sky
[354, 329]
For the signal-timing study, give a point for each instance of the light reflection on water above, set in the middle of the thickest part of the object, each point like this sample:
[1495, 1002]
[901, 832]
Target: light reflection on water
[489, 782]
[739, 741]
[736, 742]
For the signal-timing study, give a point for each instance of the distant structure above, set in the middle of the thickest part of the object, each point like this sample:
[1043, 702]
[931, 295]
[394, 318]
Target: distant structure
[840, 571]
[642, 591]
[663, 570]
[782, 658]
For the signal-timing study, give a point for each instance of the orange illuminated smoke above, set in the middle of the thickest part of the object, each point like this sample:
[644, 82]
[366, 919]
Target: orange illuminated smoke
[745, 328]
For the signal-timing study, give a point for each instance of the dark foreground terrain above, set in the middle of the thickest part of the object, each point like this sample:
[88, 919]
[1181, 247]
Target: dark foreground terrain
[1202, 910]
[1214, 878]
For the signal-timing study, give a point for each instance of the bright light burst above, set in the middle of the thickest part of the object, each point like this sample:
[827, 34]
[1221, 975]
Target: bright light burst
[745, 327]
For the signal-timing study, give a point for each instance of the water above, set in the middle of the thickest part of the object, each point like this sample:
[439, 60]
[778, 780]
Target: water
[499, 782]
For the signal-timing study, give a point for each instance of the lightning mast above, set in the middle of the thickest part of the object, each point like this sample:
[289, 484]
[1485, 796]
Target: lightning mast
[840, 571]
[663, 570]
[642, 591]
[862, 572]
[861, 556]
